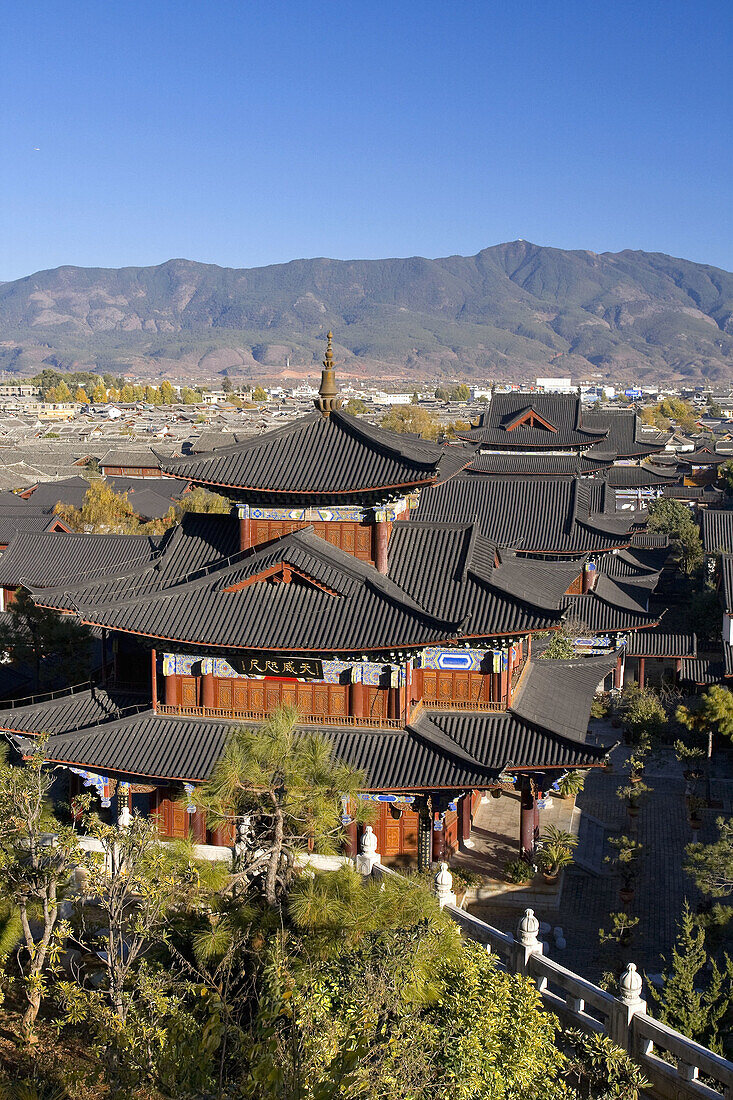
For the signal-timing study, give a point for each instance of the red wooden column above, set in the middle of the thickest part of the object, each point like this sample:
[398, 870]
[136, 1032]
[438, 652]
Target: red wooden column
[356, 698]
[207, 690]
[641, 672]
[438, 841]
[527, 819]
[351, 841]
[618, 672]
[380, 541]
[171, 691]
[464, 817]
[198, 827]
[245, 530]
[154, 678]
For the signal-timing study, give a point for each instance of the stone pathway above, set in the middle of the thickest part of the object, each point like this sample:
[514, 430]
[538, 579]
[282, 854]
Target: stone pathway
[589, 893]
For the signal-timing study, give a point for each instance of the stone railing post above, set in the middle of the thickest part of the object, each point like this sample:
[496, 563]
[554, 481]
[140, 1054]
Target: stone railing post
[368, 855]
[628, 1003]
[443, 886]
[527, 945]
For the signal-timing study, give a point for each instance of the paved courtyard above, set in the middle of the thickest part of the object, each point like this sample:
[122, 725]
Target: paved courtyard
[589, 892]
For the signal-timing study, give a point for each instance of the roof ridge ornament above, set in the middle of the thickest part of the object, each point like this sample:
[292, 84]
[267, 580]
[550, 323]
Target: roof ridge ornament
[328, 398]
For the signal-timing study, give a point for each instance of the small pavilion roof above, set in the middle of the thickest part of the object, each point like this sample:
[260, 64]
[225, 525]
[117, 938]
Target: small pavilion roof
[323, 456]
[519, 421]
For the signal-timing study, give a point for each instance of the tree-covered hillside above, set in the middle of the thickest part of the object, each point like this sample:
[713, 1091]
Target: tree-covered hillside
[514, 310]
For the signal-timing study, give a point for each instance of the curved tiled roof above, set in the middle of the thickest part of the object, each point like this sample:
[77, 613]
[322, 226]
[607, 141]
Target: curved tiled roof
[532, 515]
[514, 464]
[501, 425]
[323, 456]
[626, 436]
[658, 643]
[45, 558]
[336, 602]
[717, 530]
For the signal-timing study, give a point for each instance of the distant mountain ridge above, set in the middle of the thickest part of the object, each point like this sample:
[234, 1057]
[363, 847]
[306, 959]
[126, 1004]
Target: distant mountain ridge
[514, 310]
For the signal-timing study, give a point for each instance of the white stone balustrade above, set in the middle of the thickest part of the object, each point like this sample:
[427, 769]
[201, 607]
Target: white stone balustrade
[368, 858]
[444, 886]
[581, 1004]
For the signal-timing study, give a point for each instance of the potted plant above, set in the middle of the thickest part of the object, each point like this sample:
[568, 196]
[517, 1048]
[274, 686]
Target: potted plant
[551, 859]
[518, 871]
[621, 930]
[687, 755]
[556, 851]
[570, 784]
[631, 795]
[625, 863]
[694, 806]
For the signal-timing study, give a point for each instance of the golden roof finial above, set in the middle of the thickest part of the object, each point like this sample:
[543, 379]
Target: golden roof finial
[328, 399]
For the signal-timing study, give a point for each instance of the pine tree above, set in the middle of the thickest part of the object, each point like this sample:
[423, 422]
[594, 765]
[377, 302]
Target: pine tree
[289, 789]
[81, 396]
[127, 393]
[99, 394]
[687, 1001]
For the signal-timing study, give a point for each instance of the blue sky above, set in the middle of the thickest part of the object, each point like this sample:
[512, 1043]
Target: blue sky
[249, 132]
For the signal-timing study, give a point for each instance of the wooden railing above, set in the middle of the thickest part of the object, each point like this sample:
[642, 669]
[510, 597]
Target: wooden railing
[376, 722]
[469, 704]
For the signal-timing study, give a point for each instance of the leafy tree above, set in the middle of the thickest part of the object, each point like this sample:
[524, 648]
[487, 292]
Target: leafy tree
[654, 417]
[103, 511]
[355, 406]
[138, 392]
[227, 384]
[411, 1004]
[135, 1008]
[127, 394]
[59, 394]
[725, 477]
[689, 1001]
[711, 865]
[599, 1070]
[113, 395]
[81, 396]
[152, 395]
[200, 500]
[99, 394]
[34, 873]
[675, 520]
[411, 418]
[167, 393]
[415, 399]
[259, 395]
[560, 647]
[47, 379]
[642, 713]
[189, 396]
[682, 412]
[714, 409]
[709, 713]
[287, 789]
[45, 641]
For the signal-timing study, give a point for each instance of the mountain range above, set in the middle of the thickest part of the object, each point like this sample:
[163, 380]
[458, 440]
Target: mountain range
[512, 311]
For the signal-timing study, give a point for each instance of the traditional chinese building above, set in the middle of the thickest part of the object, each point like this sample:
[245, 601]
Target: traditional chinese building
[366, 579]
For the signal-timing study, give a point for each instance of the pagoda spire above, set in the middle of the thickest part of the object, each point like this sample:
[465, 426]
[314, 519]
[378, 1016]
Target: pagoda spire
[328, 398]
